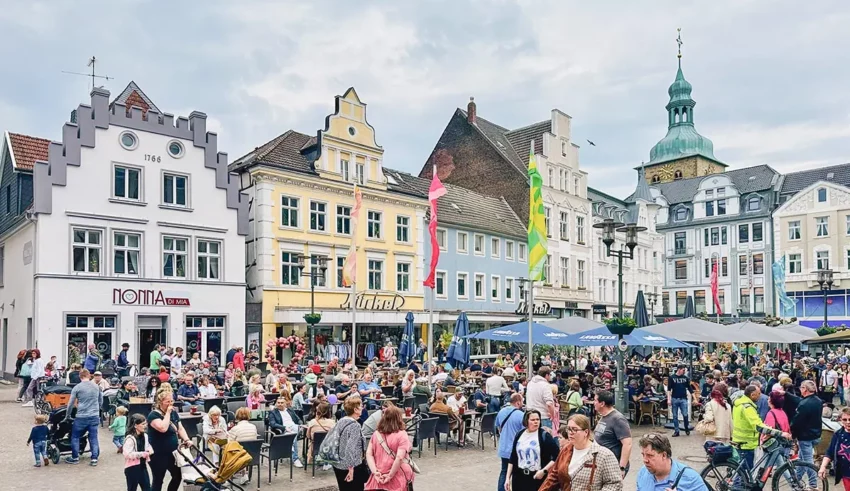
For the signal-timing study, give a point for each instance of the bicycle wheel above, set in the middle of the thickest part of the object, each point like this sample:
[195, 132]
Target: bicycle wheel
[719, 477]
[786, 478]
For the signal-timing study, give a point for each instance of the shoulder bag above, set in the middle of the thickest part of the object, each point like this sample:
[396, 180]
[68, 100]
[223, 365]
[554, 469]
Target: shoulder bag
[707, 428]
[389, 452]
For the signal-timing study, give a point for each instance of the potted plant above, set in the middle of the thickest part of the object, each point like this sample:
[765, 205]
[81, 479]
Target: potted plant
[312, 319]
[619, 326]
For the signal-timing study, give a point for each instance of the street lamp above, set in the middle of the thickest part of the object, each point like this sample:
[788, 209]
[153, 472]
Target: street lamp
[652, 299]
[315, 268]
[608, 227]
[825, 282]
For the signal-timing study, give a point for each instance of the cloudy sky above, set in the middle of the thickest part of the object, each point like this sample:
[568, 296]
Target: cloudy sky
[770, 78]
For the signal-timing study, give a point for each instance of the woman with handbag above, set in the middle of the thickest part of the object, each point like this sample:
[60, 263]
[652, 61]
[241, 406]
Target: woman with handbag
[165, 432]
[388, 454]
[583, 464]
[716, 422]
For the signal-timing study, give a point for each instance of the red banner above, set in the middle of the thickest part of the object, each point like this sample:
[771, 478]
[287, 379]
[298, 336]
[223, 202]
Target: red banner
[718, 308]
[437, 189]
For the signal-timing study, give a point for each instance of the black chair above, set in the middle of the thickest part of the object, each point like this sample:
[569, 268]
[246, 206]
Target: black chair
[424, 408]
[409, 402]
[306, 409]
[279, 448]
[487, 424]
[427, 430]
[217, 401]
[255, 450]
[199, 436]
[234, 405]
[318, 438]
[143, 408]
[387, 390]
[261, 429]
[443, 426]
[420, 399]
[271, 397]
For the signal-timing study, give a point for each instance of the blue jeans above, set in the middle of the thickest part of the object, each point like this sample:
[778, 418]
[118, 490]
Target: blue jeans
[118, 441]
[546, 423]
[39, 450]
[807, 454]
[495, 404]
[677, 405]
[503, 475]
[85, 425]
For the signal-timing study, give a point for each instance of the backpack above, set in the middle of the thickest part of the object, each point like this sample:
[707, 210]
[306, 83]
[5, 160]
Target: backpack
[329, 450]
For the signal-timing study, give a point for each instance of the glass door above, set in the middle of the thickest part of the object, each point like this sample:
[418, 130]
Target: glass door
[204, 335]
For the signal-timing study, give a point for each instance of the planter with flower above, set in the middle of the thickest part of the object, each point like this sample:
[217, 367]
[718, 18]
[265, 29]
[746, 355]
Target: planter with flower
[294, 343]
[619, 326]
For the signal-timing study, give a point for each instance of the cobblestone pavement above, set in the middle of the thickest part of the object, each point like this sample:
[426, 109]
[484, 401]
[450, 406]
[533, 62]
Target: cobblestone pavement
[466, 469]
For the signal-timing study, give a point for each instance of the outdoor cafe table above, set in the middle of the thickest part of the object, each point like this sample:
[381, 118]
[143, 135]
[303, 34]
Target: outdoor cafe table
[382, 400]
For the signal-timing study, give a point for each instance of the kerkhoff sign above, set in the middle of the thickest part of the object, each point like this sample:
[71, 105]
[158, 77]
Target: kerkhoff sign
[152, 298]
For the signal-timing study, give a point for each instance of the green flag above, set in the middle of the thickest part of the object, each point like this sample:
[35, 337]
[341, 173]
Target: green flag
[537, 246]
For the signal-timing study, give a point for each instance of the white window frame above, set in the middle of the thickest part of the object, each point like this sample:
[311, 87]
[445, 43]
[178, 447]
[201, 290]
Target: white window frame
[371, 273]
[127, 250]
[509, 290]
[476, 240]
[496, 287]
[565, 271]
[825, 225]
[495, 247]
[795, 226]
[140, 181]
[343, 219]
[403, 228]
[290, 211]
[442, 239]
[340, 264]
[465, 276]
[399, 265]
[580, 273]
[210, 257]
[825, 195]
[360, 173]
[522, 252]
[87, 247]
[175, 176]
[847, 225]
[374, 226]
[818, 264]
[345, 169]
[445, 293]
[483, 277]
[464, 242]
[292, 266]
[176, 253]
[580, 229]
[509, 250]
[798, 261]
[547, 219]
[564, 220]
[321, 216]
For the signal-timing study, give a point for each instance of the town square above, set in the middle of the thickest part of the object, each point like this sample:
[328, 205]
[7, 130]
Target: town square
[385, 246]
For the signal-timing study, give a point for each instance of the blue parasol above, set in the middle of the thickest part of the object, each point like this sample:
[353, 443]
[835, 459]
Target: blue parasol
[407, 349]
[459, 349]
[640, 314]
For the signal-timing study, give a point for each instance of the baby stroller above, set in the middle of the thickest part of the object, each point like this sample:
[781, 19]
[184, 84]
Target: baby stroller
[50, 397]
[203, 474]
[108, 368]
[59, 435]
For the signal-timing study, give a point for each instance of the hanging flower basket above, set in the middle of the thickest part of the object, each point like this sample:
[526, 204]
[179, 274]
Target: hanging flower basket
[312, 319]
[619, 326]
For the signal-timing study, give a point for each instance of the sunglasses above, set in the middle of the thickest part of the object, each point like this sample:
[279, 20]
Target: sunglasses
[570, 429]
[845, 420]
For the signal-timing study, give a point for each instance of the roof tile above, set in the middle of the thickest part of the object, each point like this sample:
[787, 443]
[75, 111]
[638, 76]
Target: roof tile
[26, 150]
[795, 182]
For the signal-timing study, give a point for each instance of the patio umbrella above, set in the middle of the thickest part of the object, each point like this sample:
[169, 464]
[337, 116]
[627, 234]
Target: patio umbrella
[639, 337]
[459, 349]
[574, 324]
[640, 314]
[518, 333]
[407, 349]
[690, 311]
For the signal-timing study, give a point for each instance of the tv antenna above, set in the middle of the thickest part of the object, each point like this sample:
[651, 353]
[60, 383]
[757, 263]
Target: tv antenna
[93, 75]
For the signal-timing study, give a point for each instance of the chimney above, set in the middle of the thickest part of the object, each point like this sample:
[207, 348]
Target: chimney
[470, 110]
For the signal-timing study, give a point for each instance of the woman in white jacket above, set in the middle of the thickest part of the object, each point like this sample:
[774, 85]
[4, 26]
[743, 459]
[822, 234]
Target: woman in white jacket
[719, 411]
[137, 451]
[214, 429]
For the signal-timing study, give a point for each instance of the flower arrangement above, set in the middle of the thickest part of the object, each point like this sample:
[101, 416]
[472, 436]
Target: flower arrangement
[622, 326]
[312, 319]
[295, 343]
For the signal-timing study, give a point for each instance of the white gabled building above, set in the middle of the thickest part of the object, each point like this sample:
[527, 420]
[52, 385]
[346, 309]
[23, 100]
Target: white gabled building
[135, 234]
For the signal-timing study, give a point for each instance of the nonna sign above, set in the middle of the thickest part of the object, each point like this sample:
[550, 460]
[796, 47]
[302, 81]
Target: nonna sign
[131, 296]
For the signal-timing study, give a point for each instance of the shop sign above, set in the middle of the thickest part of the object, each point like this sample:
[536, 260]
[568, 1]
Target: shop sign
[130, 296]
[376, 301]
[542, 308]
[599, 308]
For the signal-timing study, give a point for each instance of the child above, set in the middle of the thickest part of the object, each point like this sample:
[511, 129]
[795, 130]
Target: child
[137, 451]
[119, 427]
[38, 437]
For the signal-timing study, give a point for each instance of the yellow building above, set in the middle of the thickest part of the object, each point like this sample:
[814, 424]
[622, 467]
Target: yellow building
[302, 195]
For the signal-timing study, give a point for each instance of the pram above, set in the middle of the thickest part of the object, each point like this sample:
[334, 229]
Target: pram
[50, 397]
[203, 474]
[59, 435]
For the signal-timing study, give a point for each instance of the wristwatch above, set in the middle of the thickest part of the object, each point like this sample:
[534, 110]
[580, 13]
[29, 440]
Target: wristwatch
[622, 468]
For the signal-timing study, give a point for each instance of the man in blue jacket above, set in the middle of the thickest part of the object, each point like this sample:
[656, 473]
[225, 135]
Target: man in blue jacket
[92, 359]
[508, 423]
[806, 425]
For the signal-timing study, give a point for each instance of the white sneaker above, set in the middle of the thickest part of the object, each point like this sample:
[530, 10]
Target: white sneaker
[298, 464]
[27, 404]
[326, 467]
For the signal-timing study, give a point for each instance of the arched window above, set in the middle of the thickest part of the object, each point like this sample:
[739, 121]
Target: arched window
[656, 179]
[684, 115]
[821, 195]
[676, 115]
[677, 174]
[681, 214]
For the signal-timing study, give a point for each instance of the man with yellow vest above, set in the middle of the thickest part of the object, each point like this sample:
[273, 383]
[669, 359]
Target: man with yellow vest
[747, 425]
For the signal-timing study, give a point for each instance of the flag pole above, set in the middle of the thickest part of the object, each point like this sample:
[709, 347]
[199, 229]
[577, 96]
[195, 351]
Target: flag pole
[530, 324]
[430, 336]
[354, 320]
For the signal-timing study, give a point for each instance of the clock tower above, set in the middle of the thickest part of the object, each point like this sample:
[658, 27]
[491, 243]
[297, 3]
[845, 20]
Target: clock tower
[683, 152]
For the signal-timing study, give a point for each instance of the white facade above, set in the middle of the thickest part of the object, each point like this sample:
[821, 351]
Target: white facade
[135, 237]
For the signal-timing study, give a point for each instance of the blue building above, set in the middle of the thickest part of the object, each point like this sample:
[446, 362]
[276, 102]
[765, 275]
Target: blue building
[483, 256]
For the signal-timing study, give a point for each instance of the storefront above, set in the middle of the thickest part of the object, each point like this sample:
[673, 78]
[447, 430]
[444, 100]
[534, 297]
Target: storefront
[808, 308]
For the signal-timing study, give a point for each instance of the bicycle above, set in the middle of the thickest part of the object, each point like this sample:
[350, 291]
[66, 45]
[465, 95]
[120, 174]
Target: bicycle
[39, 403]
[724, 473]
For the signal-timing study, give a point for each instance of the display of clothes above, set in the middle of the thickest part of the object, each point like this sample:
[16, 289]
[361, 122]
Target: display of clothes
[366, 351]
[339, 350]
[387, 353]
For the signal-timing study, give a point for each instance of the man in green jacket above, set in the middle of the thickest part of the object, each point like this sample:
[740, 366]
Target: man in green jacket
[747, 425]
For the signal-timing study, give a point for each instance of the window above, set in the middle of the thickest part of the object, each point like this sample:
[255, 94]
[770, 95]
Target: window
[822, 224]
[209, 257]
[723, 238]
[821, 195]
[665, 301]
[83, 330]
[462, 242]
[402, 277]
[744, 300]
[495, 246]
[602, 251]
[705, 237]
[174, 189]
[509, 250]
[758, 263]
[682, 269]
[721, 299]
[441, 239]
[343, 220]
[678, 174]
[681, 214]
[479, 286]
[707, 267]
[757, 232]
[565, 225]
[126, 183]
[847, 225]
[288, 211]
[715, 236]
[743, 234]
[580, 273]
[565, 176]
[478, 244]
[547, 269]
[681, 302]
[317, 216]
[340, 263]
[753, 204]
[680, 243]
[495, 289]
[344, 170]
[794, 230]
[290, 273]
[721, 207]
[402, 229]
[522, 248]
[547, 214]
[126, 251]
[580, 229]
[655, 260]
[822, 259]
[462, 280]
[2, 264]
[699, 301]
[376, 274]
[565, 271]
[175, 149]
[743, 264]
[174, 255]
[709, 208]
[551, 175]
[361, 174]
[373, 224]
[128, 140]
[440, 284]
[86, 250]
[758, 299]
[795, 263]
[576, 186]
[317, 276]
[724, 266]
[205, 334]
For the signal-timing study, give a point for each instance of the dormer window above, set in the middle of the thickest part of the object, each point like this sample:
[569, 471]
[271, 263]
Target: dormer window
[821, 195]
[754, 203]
[681, 214]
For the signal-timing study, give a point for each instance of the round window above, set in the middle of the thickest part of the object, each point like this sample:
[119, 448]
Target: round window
[128, 140]
[175, 149]
[352, 131]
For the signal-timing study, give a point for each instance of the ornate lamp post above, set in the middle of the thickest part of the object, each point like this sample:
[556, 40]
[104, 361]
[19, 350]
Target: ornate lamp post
[652, 299]
[315, 268]
[825, 281]
[608, 227]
